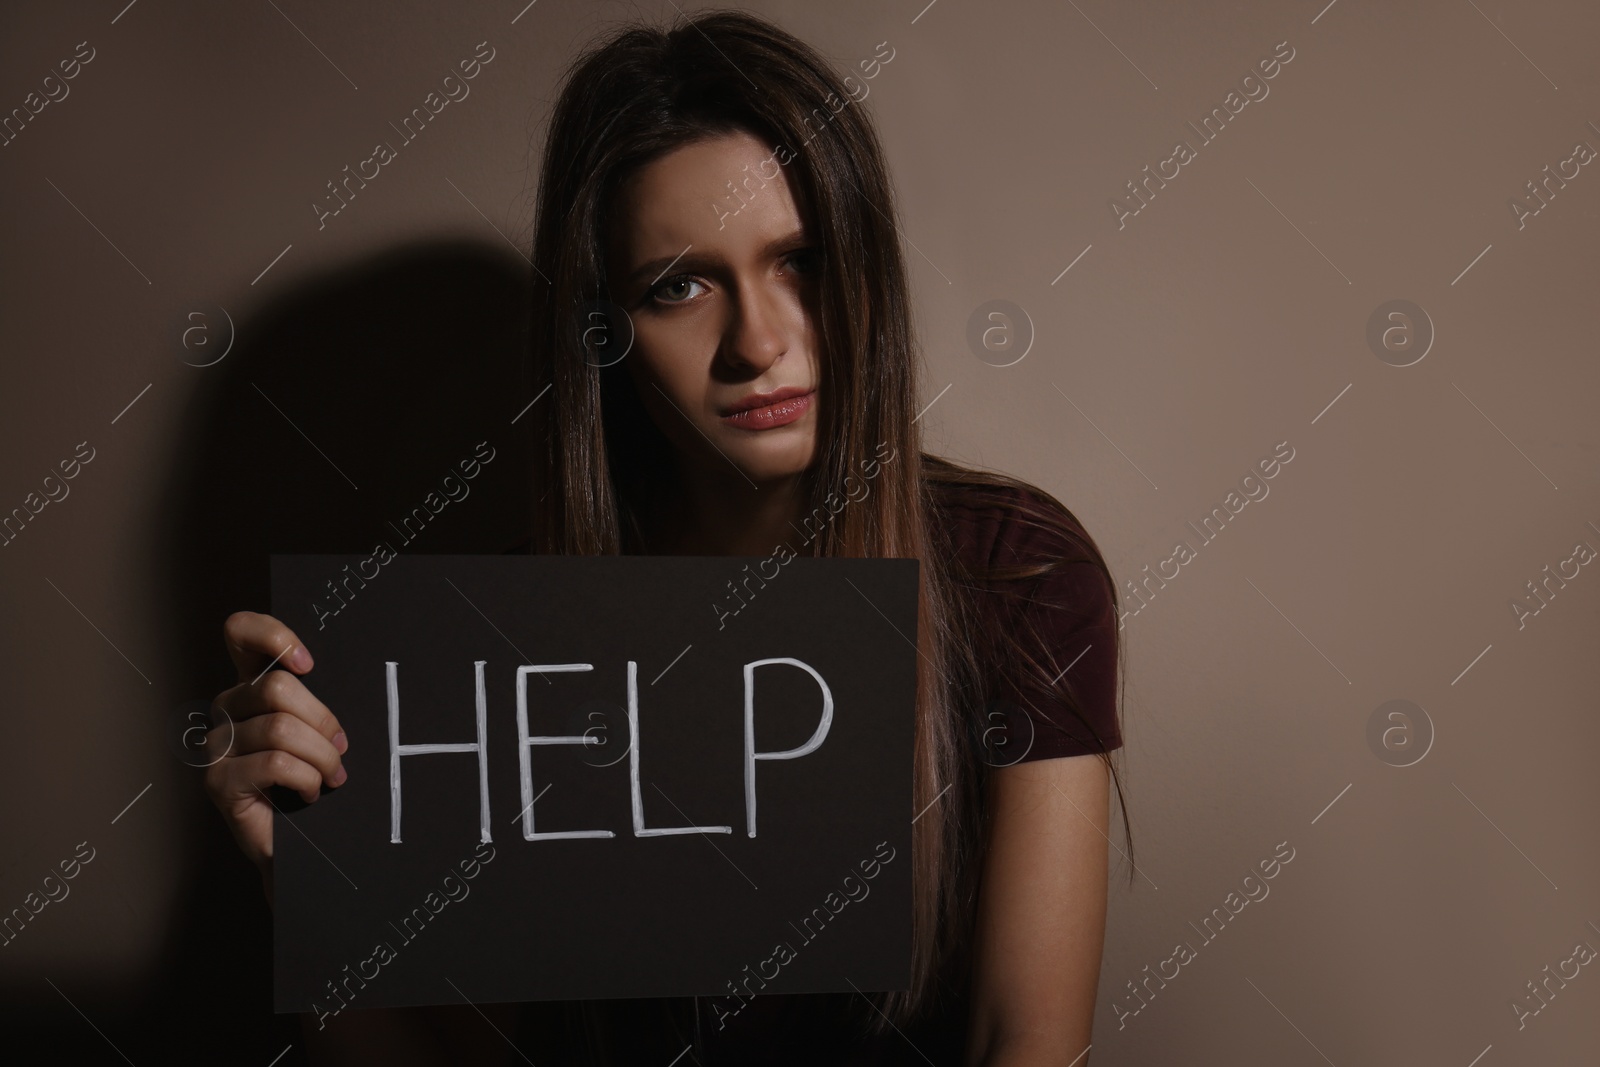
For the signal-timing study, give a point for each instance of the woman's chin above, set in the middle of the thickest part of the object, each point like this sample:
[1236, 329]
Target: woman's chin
[773, 455]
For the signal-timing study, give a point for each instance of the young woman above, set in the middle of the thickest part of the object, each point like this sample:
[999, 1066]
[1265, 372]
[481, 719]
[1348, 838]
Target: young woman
[723, 316]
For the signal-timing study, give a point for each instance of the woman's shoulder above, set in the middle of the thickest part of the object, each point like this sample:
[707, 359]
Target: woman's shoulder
[1001, 526]
[1046, 613]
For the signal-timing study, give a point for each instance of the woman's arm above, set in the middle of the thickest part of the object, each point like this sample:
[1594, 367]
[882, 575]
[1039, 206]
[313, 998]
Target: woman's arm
[1041, 914]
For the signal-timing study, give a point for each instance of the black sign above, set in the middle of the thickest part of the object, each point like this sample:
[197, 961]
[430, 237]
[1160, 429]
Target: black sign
[576, 777]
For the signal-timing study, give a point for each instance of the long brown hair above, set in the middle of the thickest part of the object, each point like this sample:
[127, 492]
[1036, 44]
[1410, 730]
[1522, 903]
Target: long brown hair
[634, 97]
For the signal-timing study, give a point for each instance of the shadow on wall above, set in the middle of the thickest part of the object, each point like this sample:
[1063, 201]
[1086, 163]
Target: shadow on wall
[340, 410]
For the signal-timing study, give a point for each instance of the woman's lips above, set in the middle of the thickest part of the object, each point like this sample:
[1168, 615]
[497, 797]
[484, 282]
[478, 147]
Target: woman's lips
[765, 418]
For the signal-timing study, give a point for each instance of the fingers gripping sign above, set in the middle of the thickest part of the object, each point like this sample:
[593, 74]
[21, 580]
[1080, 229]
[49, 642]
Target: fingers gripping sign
[269, 730]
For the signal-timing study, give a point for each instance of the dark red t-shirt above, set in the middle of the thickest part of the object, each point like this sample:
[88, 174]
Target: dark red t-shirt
[1065, 619]
[1076, 643]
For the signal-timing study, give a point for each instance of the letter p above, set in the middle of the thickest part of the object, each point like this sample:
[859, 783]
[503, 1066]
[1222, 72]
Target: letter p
[750, 753]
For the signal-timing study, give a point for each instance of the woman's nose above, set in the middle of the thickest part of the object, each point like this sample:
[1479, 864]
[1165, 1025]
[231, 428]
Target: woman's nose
[756, 335]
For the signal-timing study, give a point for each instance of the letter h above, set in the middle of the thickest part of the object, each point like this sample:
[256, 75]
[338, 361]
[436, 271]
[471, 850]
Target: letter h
[396, 750]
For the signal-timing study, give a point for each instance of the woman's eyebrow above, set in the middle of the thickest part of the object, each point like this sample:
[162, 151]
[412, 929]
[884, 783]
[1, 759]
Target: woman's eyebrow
[690, 260]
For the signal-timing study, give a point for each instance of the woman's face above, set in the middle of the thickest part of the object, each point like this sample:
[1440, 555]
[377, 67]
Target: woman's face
[722, 293]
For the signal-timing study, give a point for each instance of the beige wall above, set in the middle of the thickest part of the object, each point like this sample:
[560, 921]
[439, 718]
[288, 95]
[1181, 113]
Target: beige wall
[1228, 315]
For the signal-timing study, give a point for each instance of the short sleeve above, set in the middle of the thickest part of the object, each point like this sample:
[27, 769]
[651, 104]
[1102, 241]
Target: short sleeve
[1067, 621]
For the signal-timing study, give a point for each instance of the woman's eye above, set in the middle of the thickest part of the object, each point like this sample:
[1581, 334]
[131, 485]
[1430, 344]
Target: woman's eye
[806, 259]
[673, 290]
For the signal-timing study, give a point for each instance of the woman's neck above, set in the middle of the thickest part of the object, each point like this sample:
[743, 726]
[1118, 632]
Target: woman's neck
[707, 514]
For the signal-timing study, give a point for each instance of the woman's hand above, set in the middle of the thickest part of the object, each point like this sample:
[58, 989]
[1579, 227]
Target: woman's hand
[275, 733]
